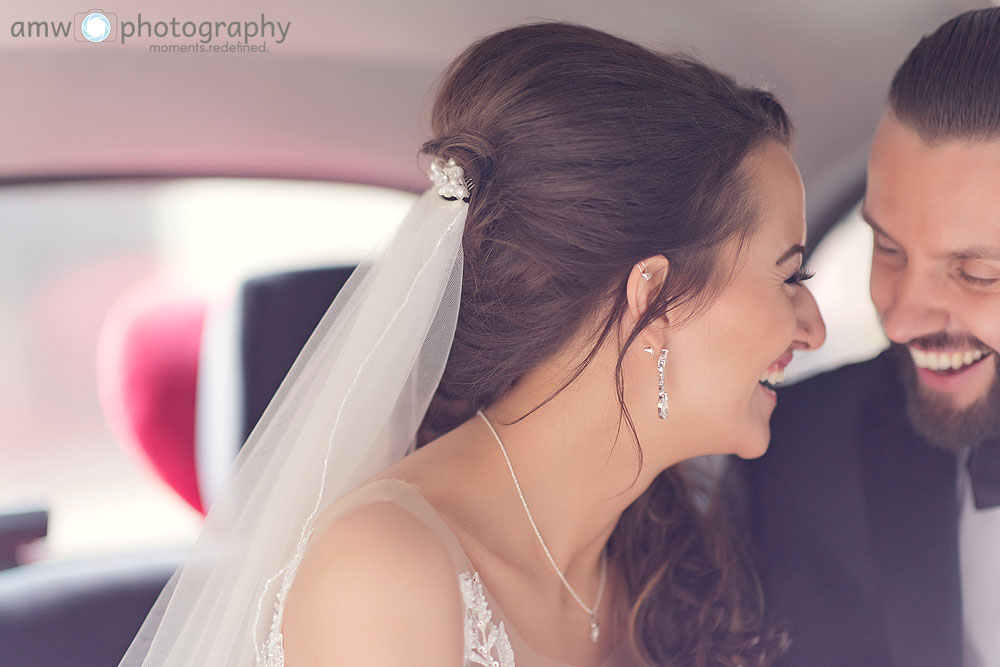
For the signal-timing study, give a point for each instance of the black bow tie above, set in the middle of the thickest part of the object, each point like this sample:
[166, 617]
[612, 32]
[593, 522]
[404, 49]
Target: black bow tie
[984, 471]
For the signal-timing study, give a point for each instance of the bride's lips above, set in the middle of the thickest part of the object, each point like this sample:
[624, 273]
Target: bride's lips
[774, 375]
[780, 364]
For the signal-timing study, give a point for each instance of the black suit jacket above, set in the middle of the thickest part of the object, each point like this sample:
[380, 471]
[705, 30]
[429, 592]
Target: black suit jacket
[854, 520]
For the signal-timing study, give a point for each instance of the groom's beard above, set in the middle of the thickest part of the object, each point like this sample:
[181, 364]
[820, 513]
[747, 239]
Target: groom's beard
[933, 416]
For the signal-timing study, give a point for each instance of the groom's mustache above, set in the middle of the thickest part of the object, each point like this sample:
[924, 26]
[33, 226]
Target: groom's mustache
[945, 341]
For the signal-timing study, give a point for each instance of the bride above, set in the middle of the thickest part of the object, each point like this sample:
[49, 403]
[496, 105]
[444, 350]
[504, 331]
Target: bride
[603, 282]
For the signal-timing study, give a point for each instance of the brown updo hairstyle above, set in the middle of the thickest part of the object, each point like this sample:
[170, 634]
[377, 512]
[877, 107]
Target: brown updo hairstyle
[590, 153]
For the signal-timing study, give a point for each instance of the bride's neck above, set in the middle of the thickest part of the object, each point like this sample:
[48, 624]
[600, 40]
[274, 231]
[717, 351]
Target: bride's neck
[576, 479]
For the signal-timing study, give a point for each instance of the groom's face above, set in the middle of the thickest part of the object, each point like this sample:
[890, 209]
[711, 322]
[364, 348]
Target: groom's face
[935, 282]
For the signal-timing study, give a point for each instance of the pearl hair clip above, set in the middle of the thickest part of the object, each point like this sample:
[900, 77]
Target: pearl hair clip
[450, 179]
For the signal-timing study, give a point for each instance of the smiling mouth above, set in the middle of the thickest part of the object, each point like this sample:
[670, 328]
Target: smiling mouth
[771, 380]
[947, 362]
[775, 374]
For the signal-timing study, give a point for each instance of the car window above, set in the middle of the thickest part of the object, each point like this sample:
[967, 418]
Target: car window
[842, 264]
[70, 253]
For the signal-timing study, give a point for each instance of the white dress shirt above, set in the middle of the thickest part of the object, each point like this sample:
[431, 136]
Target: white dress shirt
[979, 562]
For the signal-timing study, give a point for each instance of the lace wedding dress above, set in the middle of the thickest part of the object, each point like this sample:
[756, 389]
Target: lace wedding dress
[490, 641]
[327, 430]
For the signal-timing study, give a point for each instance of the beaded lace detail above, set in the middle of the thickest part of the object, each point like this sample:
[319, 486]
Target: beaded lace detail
[486, 643]
[273, 650]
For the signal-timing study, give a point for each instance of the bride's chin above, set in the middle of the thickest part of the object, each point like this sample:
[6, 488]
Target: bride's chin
[748, 453]
[755, 444]
[755, 438]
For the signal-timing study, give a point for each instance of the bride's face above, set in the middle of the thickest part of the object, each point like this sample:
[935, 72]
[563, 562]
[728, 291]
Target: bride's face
[720, 355]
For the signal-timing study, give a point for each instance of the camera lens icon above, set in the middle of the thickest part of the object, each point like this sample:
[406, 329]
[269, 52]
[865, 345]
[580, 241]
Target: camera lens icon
[96, 27]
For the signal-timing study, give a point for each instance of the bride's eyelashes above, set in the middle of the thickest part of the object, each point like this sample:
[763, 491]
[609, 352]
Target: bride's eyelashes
[800, 276]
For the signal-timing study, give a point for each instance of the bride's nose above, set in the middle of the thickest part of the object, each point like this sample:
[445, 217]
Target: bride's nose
[811, 329]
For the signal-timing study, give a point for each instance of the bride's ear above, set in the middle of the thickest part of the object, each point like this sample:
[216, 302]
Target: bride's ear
[644, 283]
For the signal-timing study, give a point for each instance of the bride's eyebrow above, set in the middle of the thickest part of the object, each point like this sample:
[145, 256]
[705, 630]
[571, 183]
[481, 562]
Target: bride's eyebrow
[797, 249]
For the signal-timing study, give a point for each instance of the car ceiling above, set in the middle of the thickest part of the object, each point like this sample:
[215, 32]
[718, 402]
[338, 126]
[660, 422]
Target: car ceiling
[345, 97]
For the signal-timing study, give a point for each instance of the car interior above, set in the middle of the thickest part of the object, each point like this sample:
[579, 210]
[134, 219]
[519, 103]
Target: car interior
[175, 222]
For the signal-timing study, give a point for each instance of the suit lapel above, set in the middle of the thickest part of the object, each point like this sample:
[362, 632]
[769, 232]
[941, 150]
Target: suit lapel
[913, 513]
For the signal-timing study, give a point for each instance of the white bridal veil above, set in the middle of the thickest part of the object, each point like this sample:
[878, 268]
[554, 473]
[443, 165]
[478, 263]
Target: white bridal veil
[349, 407]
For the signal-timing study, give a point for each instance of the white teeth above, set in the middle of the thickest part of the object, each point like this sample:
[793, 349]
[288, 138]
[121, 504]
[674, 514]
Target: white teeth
[943, 361]
[773, 378]
[933, 361]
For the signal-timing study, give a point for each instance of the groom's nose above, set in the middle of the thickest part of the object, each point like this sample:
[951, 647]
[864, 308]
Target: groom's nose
[911, 303]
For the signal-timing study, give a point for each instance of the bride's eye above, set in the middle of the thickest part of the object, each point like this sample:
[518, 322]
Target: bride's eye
[799, 276]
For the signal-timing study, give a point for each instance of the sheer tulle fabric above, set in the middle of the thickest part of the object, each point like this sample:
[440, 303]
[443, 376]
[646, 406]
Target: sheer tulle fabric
[349, 407]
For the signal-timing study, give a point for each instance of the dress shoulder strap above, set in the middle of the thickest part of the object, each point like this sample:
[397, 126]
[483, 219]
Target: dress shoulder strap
[408, 497]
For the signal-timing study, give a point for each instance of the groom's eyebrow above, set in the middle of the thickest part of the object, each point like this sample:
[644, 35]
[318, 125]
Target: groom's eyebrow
[973, 252]
[871, 223]
[977, 252]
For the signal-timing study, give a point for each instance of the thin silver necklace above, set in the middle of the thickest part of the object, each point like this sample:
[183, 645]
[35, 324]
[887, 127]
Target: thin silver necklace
[595, 628]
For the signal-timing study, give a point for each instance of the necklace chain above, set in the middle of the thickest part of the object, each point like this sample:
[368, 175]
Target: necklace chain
[591, 611]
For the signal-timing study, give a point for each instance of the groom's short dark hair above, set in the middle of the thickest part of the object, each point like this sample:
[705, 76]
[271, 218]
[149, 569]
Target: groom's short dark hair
[949, 85]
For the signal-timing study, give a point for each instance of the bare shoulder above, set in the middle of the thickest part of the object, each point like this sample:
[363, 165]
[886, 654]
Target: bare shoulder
[375, 587]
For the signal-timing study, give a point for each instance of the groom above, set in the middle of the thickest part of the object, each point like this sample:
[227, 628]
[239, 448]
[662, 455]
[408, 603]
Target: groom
[876, 512]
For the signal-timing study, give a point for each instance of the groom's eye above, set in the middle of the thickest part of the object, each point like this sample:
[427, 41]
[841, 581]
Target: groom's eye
[882, 247]
[979, 273]
[977, 281]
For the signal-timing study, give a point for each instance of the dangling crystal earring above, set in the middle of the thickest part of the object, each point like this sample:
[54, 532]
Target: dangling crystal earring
[661, 400]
